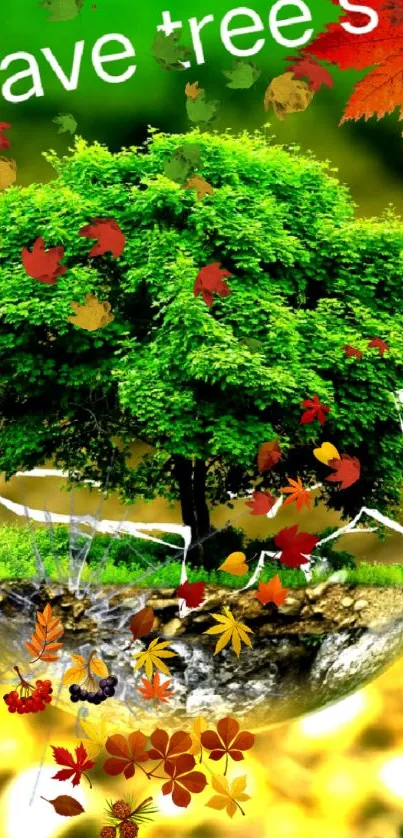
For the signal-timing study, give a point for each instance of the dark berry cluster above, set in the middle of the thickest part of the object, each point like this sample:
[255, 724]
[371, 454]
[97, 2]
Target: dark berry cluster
[33, 701]
[106, 690]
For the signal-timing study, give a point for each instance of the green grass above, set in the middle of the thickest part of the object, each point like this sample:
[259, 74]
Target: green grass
[128, 563]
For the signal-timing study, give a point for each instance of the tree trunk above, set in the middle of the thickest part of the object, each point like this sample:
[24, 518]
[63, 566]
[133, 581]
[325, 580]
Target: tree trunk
[191, 477]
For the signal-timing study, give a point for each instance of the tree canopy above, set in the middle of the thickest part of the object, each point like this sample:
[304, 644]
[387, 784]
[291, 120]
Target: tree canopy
[203, 386]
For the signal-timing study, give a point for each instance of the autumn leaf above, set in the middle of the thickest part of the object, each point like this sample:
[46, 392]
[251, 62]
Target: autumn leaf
[43, 643]
[193, 90]
[184, 781]
[152, 657]
[347, 471]
[65, 805]
[261, 503]
[297, 494]
[126, 752]
[142, 622]
[155, 690]
[377, 343]
[209, 280]
[202, 187]
[202, 110]
[168, 748]
[92, 315]
[228, 796]
[8, 172]
[313, 410]
[326, 452]
[66, 123]
[352, 352]
[272, 591]
[235, 564]
[287, 95]
[76, 768]
[168, 52]
[192, 593]
[394, 6]
[308, 68]
[42, 264]
[243, 74]
[95, 736]
[228, 741]
[82, 671]
[4, 141]
[110, 237]
[231, 630]
[295, 546]
[269, 455]
[198, 726]
[184, 160]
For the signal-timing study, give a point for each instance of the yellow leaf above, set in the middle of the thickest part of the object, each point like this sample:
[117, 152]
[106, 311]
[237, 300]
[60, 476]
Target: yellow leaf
[74, 675]
[8, 172]
[198, 726]
[92, 315]
[228, 795]
[99, 668]
[96, 736]
[326, 452]
[230, 629]
[235, 564]
[152, 657]
[287, 95]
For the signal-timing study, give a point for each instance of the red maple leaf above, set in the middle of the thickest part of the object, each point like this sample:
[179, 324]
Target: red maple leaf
[314, 72]
[4, 141]
[269, 455]
[347, 471]
[109, 235]
[396, 9]
[42, 264]
[272, 591]
[210, 280]
[295, 546]
[192, 593]
[75, 768]
[261, 503]
[377, 343]
[352, 352]
[183, 780]
[313, 410]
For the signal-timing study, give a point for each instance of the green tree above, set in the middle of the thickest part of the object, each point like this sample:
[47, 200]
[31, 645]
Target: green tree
[307, 278]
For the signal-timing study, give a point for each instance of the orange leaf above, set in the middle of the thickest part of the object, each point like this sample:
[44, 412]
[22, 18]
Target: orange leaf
[269, 455]
[142, 622]
[297, 493]
[272, 591]
[235, 564]
[155, 689]
[193, 91]
[47, 629]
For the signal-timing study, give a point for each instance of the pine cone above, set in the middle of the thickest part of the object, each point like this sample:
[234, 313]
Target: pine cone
[128, 829]
[108, 832]
[121, 810]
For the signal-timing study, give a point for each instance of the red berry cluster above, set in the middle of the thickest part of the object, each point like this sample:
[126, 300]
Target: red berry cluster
[31, 699]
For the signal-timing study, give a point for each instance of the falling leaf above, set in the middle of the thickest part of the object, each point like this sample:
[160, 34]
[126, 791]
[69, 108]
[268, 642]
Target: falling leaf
[209, 280]
[92, 315]
[202, 187]
[4, 141]
[126, 753]
[269, 455]
[62, 10]
[235, 564]
[110, 237]
[377, 343]
[66, 122]
[227, 740]
[168, 748]
[326, 452]
[272, 591]
[152, 657]
[95, 736]
[297, 494]
[287, 95]
[8, 172]
[192, 593]
[347, 471]
[184, 160]
[142, 622]
[231, 630]
[168, 52]
[261, 503]
[184, 781]
[313, 410]
[65, 805]
[201, 110]
[243, 75]
[311, 70]
[155, 690]
[352, 352]
[193, 90]
[295, 546]
[76, 768]
[198, 726]
[43, 643]
[228, 796]
[42, 264]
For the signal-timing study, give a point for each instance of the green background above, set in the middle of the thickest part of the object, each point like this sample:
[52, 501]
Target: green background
[369, 155]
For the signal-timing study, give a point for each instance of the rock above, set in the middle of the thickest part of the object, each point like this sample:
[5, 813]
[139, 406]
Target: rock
[318, 612]
[360, 604]
[53, 592]
[173, 628]
[161, 604]
[312, 594]
[291, 607]
[78, 609]
[306, 611]
[347, 602]
[347, 621]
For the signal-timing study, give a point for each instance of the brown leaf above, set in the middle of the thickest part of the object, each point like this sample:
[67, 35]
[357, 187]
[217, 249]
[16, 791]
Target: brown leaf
[287, 95]
[269, 455]
[202, 187]
[92, 315]
[8, 172]
[141, 623]
[65, 805]
[193, 90]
